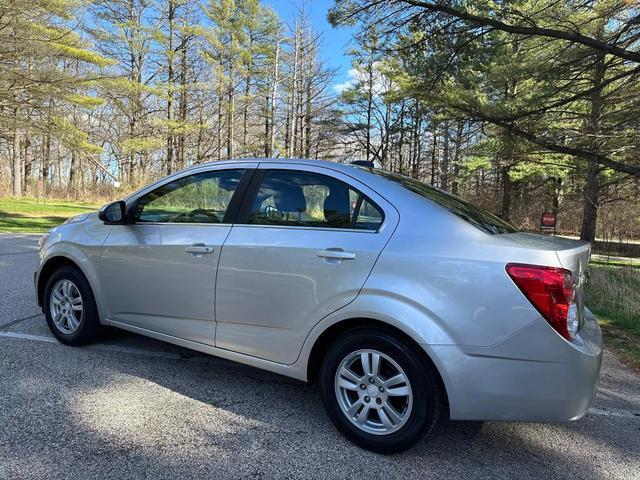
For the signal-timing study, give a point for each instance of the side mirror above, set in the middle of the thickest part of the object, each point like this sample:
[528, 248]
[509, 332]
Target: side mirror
[113, 213]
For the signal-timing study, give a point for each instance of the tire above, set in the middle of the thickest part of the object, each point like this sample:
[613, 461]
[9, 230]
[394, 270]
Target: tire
[380, 431]
[72, 327]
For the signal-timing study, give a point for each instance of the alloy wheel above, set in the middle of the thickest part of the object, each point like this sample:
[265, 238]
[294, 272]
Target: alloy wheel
[65, 305]
[373, 392]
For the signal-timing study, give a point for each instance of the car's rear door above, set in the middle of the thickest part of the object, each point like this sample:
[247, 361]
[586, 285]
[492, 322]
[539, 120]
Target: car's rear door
[158, 273]
[302, 248]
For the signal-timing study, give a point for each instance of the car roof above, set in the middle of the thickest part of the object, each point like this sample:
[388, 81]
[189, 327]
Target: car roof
[343, 167]
[359, 172]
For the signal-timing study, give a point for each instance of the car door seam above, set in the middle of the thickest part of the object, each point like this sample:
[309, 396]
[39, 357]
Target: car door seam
[215, 282]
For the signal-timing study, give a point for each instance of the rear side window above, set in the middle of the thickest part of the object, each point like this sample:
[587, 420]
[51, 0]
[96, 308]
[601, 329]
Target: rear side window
[477, 217]
[307, 199]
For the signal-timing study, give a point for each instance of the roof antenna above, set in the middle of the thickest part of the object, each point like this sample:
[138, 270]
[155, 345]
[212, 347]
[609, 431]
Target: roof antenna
[363, 163]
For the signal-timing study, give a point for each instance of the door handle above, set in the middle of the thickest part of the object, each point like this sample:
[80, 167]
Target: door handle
[336, 253]
[198, 249]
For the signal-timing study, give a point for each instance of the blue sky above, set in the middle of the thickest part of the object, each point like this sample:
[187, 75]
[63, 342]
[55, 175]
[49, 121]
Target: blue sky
[336, 41]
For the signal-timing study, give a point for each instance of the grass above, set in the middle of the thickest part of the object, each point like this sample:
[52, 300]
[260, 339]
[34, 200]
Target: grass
[616, 263]
[25, 215]
[613, 294]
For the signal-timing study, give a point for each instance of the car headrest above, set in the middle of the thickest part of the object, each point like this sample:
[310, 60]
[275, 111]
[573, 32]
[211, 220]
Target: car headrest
[337, 211]
[228, 183]
[289, 199]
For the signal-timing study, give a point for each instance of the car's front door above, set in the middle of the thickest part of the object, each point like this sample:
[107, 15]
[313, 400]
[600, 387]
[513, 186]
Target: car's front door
[158, 272]
[309, 239]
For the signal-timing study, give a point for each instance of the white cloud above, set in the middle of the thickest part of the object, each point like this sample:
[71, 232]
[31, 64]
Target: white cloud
[381, 83]
[352, 76]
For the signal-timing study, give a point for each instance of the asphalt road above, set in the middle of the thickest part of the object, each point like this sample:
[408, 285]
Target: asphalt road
[131, 407]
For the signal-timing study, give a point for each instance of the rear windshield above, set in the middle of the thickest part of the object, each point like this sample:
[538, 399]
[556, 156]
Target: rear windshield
[482, 219]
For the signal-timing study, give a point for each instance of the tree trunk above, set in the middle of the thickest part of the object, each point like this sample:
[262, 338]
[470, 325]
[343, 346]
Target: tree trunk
[245, 114]
[369, 104]
[293, 125]
[400, 152]
[287, 132]
[384, 148]
[415, 141]
[170, 52]
[590, 204]
[274, 92]
[434, 153]
[17, 164]
[72, 171]
[46, 159]
[557, 194]
[456, 157]
[230, 115]
[219, 132]
[307, 121]
[590, 200]
[183, 101]
[267, 118]
[507, 189]
[26, 162]
[444, 176]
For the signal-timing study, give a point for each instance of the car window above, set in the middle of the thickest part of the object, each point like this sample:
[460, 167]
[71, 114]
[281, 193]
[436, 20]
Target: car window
[306, 199]
[477, 217]
[369, 216]
[200, 198]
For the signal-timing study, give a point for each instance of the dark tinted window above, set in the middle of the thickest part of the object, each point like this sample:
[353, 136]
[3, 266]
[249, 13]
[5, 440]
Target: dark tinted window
[200, 198]
[480, 218]
[296, 198]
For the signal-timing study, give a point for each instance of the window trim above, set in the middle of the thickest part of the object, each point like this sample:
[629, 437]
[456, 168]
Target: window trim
[231, 214]
[256, 182]
[302, 227]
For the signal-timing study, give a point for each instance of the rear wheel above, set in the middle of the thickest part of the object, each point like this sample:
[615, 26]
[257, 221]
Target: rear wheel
[379, 391]
[70, 308]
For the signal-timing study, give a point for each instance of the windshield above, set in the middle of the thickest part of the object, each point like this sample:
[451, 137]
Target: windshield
[477, 217]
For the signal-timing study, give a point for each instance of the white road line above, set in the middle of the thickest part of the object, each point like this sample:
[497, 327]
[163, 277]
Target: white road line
[27, 336]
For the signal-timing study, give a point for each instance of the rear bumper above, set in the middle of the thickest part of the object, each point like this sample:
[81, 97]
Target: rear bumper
[534, 375]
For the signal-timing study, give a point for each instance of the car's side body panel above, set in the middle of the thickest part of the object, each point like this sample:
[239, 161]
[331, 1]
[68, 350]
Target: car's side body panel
[80, 243]
[150, 281]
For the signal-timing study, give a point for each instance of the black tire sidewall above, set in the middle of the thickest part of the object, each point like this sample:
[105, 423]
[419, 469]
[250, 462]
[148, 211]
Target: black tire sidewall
[425, 389]
[89, 323]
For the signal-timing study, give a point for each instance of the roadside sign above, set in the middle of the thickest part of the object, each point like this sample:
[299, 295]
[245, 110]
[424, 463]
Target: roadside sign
[548, 222]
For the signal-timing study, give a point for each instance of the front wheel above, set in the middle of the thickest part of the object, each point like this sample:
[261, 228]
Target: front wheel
[379, 391]
[70, 308]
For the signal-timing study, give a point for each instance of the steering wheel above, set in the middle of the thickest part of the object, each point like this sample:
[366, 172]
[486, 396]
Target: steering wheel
[191, 216]
[270, 211]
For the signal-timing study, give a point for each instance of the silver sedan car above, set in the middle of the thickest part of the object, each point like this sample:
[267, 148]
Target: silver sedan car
[405, 303]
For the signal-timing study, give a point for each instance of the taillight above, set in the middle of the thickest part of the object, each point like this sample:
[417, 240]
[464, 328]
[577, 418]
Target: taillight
[552, 291]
